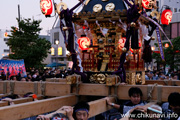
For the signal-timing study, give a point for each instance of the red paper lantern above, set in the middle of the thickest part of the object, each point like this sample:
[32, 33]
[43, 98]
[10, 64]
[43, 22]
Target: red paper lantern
[166, 17]
[46, 7]
[5, 34]
[84, 43]
[166, 45]
[121, 42]
[148, 4]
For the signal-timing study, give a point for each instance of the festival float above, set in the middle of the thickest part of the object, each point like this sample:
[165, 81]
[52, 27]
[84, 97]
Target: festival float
[110, 38]
[109, 42]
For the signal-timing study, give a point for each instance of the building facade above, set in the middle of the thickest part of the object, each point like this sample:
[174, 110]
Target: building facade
[58, 50]
[4, 49]
[48, 59]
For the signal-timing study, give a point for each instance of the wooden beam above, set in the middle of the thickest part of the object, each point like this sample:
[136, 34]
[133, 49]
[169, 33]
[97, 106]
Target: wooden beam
[3, 103]
[99, 106]
[96, 107]
[25, 110]
[20, 88]
[56, 80]
[57, 89]
[94, 89]
[24, 100]
[60, 89]
[1, 87]
[2, 95]
[166, 90]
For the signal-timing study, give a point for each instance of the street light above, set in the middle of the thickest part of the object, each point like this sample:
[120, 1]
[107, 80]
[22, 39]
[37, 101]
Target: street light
[57, 43]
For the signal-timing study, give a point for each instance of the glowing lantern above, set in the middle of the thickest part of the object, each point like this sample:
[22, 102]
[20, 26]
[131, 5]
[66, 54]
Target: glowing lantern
[121, 42]
[152, 48]
[59, 50]
[5, 34]
[52, 51]
[148, 4]
[166, 17]
[46, 7]
[84, 43]
[166, 45]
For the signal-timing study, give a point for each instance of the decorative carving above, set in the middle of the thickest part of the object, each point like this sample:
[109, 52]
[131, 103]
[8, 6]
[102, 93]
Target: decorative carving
[73, 79]
[112, 80]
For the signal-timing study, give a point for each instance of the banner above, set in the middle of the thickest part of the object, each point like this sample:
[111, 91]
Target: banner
[13, 67]
[160, 43]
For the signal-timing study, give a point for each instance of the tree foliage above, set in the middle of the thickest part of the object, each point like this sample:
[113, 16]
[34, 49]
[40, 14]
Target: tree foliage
[26, 44]
[172, 54]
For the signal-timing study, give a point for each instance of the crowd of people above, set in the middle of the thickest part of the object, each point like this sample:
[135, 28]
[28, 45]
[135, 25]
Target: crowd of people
[162, 75]
[38, 75]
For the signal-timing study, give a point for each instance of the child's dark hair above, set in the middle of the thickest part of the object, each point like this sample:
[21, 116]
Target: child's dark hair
[174, 99]
[12, 96]
[135, 90]
[27, 94]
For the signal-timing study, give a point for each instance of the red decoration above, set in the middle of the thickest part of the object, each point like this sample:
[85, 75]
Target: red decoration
[166, 17]
[148, 4]
[84, 43]
[46, 7]
[84, 27]
[158, 52]
[121, 42]
[132, 49]
[5, 34]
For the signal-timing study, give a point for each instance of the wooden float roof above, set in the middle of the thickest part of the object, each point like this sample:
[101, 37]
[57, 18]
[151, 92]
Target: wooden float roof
[119, 5]
[88, 14]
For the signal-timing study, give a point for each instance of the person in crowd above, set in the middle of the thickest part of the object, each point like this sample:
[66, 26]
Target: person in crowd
[9, 98]
[172, 107]
[46, 74]
[14, 78]
[58, 74]
[29, 78]
[178, 74]
[167, 77]
[30, 94]
[153, 112]
[147, 75]
[79, 112]
[161, 76]
[155, 75]
[36, 76]
[135, 95]
[23, 79]
[150, 75]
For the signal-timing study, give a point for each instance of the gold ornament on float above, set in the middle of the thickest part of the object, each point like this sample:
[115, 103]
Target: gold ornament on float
[97, 8]
[110, 7]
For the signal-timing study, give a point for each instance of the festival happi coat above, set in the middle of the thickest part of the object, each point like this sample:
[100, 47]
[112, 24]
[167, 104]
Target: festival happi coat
[110, 38]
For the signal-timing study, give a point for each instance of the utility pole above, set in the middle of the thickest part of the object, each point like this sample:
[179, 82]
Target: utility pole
[18, 12]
